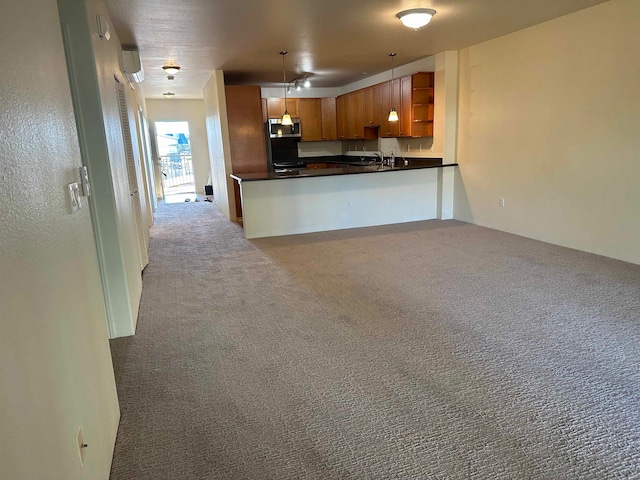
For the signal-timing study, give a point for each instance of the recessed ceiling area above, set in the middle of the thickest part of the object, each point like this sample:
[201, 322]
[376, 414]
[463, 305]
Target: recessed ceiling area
[338, 41]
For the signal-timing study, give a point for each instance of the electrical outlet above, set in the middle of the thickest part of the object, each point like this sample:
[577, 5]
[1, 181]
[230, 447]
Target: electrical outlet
[82, 447]
[501, 201]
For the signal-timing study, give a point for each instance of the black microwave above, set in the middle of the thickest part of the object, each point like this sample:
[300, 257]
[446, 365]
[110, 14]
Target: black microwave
[278, 130]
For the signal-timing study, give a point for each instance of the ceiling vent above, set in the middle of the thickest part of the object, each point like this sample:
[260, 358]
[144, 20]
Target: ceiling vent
[132, 66]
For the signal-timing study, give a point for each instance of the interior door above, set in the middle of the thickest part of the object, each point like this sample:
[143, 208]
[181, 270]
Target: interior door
[132, 173]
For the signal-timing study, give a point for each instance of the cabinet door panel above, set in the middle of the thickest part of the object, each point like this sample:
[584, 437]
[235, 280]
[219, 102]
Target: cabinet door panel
[310, 119]
[355, 114]
[405, 106]
[274, 107]
[329, 127]
[341, 116]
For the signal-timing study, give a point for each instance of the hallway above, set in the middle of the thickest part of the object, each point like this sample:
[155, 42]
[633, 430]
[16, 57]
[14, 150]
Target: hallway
[425, 350]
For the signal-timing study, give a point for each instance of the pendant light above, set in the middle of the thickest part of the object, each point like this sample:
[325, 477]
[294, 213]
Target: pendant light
[286, 118]
[393, 115]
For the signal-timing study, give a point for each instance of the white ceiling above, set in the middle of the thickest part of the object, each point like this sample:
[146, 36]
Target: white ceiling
[339, 41]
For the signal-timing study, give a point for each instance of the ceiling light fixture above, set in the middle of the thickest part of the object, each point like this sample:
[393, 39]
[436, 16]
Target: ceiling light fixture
[171, 69]
[169, 94]
[416, 17]
[286, 118]
[393, 115]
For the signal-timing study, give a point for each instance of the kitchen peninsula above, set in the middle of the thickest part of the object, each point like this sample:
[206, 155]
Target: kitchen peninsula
[348, 196]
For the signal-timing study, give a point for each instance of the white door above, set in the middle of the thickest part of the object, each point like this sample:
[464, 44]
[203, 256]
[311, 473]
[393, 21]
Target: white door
[134, 191]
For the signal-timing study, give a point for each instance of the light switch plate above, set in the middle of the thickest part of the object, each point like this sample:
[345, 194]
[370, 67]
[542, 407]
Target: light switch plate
[74, 196]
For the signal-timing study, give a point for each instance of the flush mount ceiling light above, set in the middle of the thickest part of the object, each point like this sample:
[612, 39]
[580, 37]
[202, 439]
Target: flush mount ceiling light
[169, 94]
[416, 17]
[286, 118]
[393, 115]
[171, 68]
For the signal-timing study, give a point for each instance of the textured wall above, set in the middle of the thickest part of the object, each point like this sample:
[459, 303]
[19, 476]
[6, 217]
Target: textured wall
[549, 120]
[55, 364]
[191, 111]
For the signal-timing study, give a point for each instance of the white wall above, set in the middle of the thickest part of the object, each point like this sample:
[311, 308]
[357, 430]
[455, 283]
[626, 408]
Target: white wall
[55, 364]
[302, 205]
[215, 107]
[191, 111]
[550, 120]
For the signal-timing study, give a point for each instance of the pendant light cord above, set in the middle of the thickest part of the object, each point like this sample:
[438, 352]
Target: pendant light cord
[284, 77]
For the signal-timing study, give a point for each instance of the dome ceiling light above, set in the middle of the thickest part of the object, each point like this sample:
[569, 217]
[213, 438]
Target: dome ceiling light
[416, 17]
[169, 94]
[171, 69]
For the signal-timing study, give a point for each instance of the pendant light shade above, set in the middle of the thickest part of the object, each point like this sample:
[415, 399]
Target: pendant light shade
[416, 17]
[286, 118]
[393, 115]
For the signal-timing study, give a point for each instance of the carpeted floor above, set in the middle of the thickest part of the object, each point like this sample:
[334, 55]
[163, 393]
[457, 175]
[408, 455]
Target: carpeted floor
[430, 350]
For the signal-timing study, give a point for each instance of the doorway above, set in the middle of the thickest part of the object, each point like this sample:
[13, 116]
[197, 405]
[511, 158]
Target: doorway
[174, 151]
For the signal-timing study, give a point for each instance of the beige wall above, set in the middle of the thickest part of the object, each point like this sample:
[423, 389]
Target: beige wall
[215, 107]
[549, 119]
[55, 364]
[191, 111]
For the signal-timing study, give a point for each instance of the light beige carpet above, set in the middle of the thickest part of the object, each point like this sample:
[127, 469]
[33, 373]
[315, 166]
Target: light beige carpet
[431, 350]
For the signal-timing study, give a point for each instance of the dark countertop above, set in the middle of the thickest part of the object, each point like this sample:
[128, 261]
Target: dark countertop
[350, 169]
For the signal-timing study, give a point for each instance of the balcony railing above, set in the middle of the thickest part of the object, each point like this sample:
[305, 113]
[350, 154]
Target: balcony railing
[177, 169]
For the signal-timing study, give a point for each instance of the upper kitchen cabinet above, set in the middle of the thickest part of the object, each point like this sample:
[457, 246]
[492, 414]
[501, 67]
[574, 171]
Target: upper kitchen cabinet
[404, 113]
[310, 119]
[318, 119]
[276, 107]
[350, 116]
[370, 118]
[328, 111]
[341, 117]
[355, 115]
[422, 98]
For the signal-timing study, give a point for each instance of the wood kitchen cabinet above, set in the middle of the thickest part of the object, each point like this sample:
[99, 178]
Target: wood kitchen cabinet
[328, 113]
[370, 118]
[422, 104]
[246, 133]
[404, 113]
[355, 114]
[276, 107]
[341, 117]
[310, 119]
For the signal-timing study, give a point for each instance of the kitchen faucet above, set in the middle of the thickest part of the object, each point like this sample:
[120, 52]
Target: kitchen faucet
[380, 155]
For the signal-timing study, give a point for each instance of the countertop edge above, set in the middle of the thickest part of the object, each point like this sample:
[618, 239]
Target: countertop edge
[333, 173]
